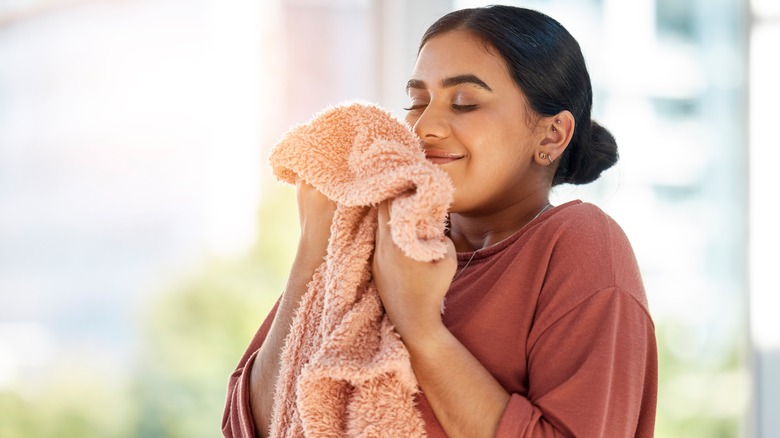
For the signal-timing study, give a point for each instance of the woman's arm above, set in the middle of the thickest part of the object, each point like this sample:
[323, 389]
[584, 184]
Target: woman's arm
[466, 398]
[315, 214]
[591, 368]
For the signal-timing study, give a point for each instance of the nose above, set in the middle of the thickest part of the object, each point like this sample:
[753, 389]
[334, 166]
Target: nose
[432, 124]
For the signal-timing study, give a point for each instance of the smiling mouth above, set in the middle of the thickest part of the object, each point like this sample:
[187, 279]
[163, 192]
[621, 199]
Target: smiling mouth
[441, 157]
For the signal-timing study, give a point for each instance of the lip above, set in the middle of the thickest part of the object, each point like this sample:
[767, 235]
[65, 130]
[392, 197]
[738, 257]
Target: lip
[436, 156]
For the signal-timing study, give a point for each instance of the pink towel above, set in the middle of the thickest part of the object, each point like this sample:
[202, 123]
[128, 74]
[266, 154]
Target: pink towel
[345, 372]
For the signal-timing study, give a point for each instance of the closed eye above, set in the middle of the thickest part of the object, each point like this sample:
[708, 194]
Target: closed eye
[463, 108]
[416, 107]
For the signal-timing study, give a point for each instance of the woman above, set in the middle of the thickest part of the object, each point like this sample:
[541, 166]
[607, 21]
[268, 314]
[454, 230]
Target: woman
[546, 330]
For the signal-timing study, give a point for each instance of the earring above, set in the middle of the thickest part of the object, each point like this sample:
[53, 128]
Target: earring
[542, 155]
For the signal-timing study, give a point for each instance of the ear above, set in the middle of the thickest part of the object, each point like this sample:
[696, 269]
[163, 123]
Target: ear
[558, 130]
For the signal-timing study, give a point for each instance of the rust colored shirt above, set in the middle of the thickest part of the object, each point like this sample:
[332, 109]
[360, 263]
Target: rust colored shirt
[557, 313]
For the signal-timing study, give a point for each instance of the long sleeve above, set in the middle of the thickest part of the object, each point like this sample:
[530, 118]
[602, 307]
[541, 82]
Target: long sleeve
[558, 314]
[592, 373]
[237, 421]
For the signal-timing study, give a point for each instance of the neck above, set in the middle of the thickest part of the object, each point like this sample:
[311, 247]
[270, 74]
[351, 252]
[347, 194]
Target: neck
[471, 232]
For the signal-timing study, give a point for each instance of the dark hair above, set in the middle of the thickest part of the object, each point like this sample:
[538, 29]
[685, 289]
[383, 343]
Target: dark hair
[547, 64]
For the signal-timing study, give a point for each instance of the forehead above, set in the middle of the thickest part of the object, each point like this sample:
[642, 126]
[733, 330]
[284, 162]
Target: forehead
[460, 52]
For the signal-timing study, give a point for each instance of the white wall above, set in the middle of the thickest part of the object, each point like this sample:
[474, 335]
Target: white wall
[764, 240]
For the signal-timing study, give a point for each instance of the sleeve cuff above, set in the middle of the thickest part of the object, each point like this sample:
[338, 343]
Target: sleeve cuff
[240, 421]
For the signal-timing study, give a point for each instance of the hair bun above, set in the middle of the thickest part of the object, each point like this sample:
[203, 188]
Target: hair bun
[595, 158]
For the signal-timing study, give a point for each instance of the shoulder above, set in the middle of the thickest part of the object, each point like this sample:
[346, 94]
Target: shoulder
[582, 219]
[587, 234]
[589, 252]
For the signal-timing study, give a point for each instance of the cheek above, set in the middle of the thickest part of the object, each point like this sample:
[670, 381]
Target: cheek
[494, 143]
[503, 156]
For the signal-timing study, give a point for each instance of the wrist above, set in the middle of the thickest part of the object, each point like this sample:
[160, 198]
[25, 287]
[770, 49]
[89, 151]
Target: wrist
[423, 337]
[310, 254]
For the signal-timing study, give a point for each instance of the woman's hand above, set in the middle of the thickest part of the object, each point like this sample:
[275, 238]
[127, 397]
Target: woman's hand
[315, 214]
[411, 291]
[466, 398]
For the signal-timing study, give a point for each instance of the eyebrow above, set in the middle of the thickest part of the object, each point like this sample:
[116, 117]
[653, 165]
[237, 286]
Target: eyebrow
[450, 82]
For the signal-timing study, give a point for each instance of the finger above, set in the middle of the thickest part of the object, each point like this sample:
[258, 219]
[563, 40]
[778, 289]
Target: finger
[384, 238]
[383, 219]
[382, 216]
[384, 212]
[452, 253]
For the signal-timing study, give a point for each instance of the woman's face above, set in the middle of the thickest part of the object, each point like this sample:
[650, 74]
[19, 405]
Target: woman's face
[474, 123]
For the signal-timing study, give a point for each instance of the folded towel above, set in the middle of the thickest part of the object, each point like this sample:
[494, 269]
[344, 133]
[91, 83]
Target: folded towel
[344, 370]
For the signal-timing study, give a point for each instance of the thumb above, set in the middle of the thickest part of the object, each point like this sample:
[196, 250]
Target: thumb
[452, 253]
[383, 220]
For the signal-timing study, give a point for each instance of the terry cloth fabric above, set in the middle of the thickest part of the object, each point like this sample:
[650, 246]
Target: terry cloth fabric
[344, 370]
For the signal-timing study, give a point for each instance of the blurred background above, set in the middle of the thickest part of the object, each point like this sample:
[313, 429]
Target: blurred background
[143, 239]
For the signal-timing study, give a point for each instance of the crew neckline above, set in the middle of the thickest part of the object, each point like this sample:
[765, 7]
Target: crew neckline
[473, 256]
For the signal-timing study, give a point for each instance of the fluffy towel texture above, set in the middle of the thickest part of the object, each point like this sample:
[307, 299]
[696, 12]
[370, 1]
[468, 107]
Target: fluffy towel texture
[345, 372]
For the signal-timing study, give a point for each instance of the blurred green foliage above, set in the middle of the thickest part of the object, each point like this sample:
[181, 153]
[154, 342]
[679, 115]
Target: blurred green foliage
[192, 337]
[701, 394]
[74, 399]
[194, 334]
